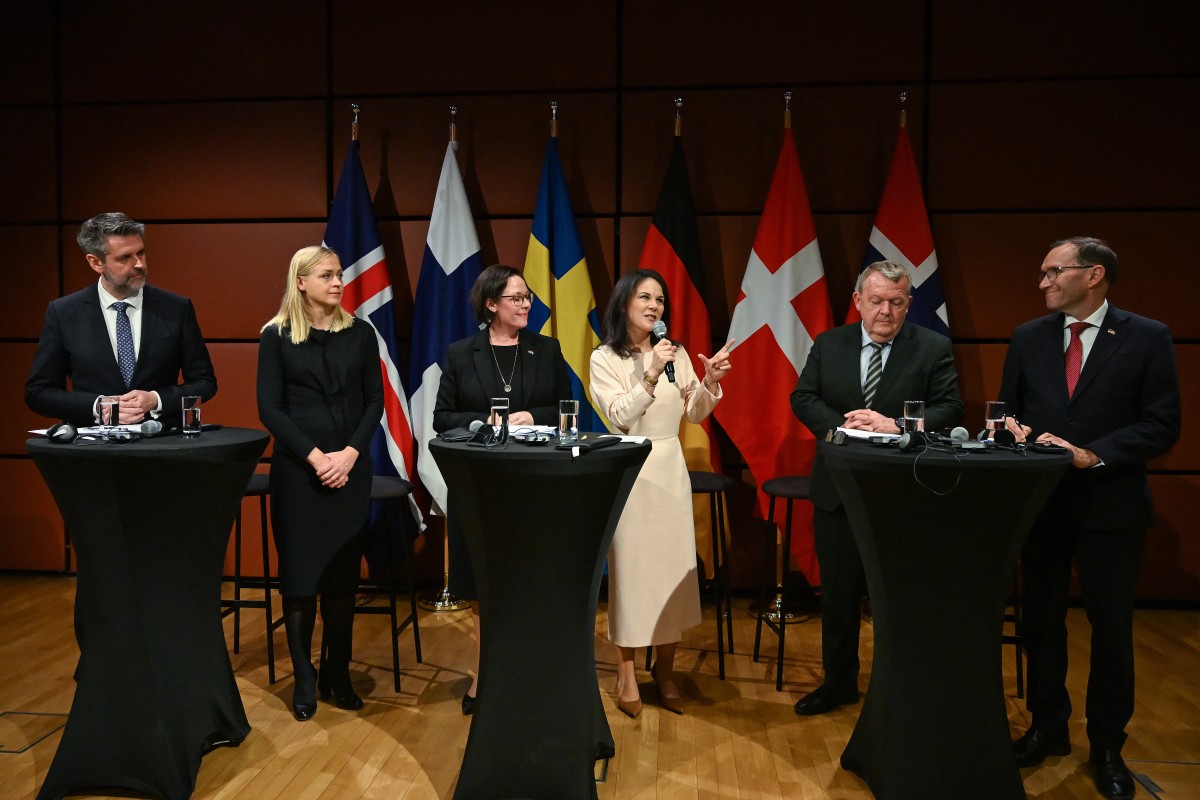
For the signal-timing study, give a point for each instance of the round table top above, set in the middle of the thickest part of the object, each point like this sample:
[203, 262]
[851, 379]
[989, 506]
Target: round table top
[209, 444]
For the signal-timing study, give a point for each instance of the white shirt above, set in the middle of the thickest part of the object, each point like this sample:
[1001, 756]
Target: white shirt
[864, 359]
[1087, 337]
[133, 313]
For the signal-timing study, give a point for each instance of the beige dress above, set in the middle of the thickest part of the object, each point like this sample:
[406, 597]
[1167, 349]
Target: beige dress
[653, 590]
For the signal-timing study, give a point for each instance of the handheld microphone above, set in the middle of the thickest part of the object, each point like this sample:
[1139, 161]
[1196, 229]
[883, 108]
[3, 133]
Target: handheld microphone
[657, 335]
[475, 425]
[150, 427]
[62, 433]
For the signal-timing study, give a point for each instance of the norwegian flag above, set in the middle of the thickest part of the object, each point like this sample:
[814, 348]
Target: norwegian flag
[901, 234]
[782, 306]
[353, 234]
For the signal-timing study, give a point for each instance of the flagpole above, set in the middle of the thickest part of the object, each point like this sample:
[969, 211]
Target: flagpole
[550, 211]
[678, 117]
[903, 113]
[443, 600]
[354, 122]
[778, 610]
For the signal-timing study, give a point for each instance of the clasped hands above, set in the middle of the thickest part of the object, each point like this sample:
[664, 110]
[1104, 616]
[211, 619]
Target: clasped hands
[136, 405]
[864, 419]
[333, 469]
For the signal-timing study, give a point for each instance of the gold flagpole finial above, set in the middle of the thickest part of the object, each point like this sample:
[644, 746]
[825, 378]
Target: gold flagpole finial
[354, 123]
[678, 116]
[454, 123]
[787, 110]
[903, 113]
[554, 119]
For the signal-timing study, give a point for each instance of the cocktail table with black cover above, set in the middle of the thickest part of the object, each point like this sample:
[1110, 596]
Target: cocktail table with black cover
[538, 525]
[150, 522]
[939, 560]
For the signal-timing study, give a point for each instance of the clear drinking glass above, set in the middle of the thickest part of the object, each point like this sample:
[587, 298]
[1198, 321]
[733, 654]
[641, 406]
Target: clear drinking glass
[110, 411]
[498, 419]
[914, 415]
[191, 416]
[568, 421]
[994, 415]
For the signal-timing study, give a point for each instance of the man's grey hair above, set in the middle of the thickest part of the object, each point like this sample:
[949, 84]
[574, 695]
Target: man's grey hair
[93, 234]
[888, 269]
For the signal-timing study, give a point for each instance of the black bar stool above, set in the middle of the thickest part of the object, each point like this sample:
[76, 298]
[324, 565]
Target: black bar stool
[791, 488]
[1014, 638]
[259, 486]
[389, 490]
[715, 485]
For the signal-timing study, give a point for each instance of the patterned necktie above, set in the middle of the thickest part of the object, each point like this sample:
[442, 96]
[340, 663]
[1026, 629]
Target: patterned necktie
[125, 356]
[1074, 357]
[874, 373]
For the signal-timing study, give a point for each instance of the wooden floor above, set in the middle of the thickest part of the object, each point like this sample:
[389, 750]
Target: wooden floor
[739, 739]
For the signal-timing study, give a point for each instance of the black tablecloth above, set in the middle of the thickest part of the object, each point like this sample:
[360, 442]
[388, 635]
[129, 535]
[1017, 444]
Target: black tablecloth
[538, 524]
[149, 521]
[939, 559]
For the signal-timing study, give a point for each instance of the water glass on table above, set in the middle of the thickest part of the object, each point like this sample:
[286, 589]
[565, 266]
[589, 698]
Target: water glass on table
[498, 419]
[568, 421]
[994, 417]
[914, 416]
[191, 416]
[109, 407]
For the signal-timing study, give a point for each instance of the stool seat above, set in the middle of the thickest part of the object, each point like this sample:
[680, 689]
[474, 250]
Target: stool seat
[709, 482]
[260, 484]
[384, 487]
[791, 487]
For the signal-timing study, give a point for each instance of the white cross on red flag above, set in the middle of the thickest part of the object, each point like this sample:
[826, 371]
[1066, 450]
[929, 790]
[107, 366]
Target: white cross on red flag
[782, 306]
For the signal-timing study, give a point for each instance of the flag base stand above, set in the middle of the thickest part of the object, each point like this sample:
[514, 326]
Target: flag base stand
[442, 601]
[789, 613]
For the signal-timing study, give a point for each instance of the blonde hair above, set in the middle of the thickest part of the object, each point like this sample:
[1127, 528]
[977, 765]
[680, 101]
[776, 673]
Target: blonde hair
[291, 317]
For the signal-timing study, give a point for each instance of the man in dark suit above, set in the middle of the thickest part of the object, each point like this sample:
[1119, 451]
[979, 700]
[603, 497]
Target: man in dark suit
[120, 337]
[1102, 383]
[858, 376]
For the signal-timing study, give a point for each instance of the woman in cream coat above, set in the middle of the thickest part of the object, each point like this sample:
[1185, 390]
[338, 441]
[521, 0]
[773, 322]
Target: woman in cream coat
[653, 589]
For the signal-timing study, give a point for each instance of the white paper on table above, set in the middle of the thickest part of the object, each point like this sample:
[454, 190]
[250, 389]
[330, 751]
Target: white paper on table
[855, 433]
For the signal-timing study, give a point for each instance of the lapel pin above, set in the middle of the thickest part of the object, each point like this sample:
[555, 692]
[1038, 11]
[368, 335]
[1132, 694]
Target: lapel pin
[1111, 332]
[531, 352]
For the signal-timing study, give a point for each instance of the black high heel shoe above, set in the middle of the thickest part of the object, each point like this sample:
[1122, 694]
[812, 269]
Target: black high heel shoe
[303, 708]
[468, 703]
[343, 696]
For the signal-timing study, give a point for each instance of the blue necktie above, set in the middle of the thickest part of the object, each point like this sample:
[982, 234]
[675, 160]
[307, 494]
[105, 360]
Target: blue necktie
[125, 357]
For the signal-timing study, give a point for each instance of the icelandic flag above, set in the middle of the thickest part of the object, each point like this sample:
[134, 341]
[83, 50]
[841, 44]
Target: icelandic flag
[442, 310]
[353, 234]
[557, 274]
[901, 234]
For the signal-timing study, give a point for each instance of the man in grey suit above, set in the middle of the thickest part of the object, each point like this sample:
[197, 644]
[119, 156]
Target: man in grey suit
[120, 337]
[1102, 383]
[858, 376]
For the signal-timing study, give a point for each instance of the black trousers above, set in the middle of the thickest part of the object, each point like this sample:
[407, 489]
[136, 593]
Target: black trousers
[1107, 563]
[843, 583]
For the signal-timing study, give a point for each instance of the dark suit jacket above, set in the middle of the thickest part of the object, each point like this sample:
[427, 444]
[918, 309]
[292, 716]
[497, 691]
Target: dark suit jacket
[1125, 409]
[74, 345]
[919, 367]
[469, 381]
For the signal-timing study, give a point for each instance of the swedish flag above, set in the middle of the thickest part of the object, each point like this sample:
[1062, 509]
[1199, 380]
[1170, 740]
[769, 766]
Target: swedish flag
[557, 274]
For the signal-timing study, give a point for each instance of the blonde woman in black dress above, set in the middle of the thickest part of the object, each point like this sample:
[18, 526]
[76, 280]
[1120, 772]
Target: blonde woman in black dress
[320, 394]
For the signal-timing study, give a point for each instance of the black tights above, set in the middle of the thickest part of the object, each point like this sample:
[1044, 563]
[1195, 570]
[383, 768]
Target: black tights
[337, 618]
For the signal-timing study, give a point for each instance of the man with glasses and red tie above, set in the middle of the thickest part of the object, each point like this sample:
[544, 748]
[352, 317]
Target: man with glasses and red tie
[1102, 383]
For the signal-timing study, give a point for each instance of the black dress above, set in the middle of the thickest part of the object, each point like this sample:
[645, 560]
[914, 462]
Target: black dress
[327, 393]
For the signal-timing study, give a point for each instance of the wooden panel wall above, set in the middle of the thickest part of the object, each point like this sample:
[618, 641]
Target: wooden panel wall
[227, 139]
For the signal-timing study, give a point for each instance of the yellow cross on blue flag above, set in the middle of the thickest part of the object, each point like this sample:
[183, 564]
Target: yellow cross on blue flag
[564, 306]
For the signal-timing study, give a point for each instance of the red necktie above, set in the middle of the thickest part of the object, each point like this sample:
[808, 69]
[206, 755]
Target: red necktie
[1074, 357]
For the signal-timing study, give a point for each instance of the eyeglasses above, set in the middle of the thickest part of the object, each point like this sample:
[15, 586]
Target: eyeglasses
[518, 299]
[1053, 272]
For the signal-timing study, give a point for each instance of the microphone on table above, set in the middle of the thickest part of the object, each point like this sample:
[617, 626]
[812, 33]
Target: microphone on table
[657, 334]
[62, 433]
[150, 427]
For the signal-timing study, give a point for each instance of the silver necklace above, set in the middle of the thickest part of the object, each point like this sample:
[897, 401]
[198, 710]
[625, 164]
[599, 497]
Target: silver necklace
[507, 381]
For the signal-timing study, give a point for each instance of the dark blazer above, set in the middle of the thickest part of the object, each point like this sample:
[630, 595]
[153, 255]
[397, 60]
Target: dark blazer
[469, 381]
[1125, 409]
[920, 366]
[74, 345]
